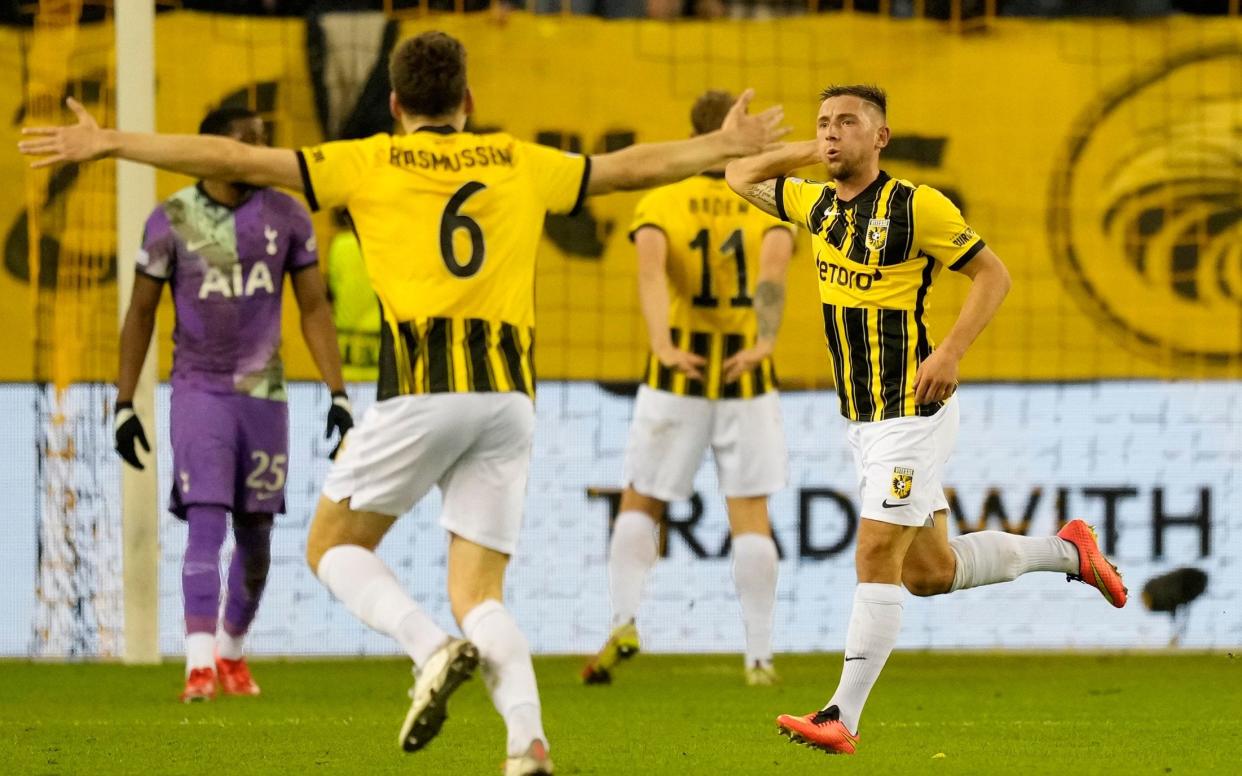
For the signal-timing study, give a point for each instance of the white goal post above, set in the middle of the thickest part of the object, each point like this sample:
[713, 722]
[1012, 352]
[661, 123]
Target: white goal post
[135, 197]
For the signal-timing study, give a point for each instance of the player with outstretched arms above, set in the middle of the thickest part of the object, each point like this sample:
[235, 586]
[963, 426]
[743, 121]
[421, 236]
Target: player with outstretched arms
[449, 223]
[711, 280]
[879, 243]
[224, 250]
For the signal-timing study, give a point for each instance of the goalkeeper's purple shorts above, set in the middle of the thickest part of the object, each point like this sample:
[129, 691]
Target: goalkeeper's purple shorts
[230, 450]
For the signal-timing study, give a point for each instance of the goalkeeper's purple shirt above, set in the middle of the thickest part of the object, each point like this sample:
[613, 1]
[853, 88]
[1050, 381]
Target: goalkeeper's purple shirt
[227, 267]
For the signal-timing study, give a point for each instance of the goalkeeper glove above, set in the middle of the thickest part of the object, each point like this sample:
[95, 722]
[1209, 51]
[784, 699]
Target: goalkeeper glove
[340, 418]
[127, 428]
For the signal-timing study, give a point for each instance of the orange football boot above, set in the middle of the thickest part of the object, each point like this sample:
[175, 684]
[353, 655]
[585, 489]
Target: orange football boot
[200, 685]
[235, 677]
[1094, 569]
[822, 730]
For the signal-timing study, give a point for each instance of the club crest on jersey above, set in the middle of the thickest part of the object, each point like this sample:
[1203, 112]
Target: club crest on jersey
[903, 482]
[877, 233]
[271, 235]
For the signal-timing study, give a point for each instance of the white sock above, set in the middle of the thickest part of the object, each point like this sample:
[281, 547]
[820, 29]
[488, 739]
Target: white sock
[631, 555]
[988, 557]
[229, 646]
[507, 671]
[361, 581]
[199, 651]
[754, 576]
[874, 624]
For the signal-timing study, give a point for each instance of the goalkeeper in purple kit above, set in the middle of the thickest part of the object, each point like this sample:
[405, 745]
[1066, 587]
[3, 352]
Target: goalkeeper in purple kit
[224, 249]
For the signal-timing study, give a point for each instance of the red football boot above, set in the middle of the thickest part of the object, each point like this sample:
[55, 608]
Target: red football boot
[1093, 568]
[235, 677]
[200, 685]
[822, 730]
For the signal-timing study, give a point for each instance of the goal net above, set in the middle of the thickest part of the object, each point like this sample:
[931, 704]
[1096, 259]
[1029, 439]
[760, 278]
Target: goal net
[70, 234]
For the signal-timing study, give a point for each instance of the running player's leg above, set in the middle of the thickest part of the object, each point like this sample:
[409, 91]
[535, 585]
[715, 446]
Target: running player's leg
[937, 564]
[929, 564]
[394, 456]
[898, 463]
[341, 551]
[476, 590]
[484, 492]
[341, 547]
[875, 619]
[875, 622]
[748, 443]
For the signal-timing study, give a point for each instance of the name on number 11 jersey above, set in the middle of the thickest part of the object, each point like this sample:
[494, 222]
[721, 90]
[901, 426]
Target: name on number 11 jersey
[449, 223]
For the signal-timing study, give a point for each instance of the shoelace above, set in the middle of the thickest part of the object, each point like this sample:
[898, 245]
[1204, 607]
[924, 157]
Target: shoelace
[830, 714]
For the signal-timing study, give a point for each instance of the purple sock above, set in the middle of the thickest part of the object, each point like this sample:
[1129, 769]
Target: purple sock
[248, 572]
[200, 569]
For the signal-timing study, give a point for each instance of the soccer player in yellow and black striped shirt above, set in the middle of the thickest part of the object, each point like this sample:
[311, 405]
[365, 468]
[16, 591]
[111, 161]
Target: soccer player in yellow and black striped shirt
[711, 281]
[879, 243]
[449, 223]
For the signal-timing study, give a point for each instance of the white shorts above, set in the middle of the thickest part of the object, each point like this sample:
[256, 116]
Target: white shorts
[669, 434]
[475, 446]
[901, 462]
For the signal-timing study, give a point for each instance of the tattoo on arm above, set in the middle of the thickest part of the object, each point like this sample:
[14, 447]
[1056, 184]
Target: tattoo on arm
[769, 307]
[763, 194]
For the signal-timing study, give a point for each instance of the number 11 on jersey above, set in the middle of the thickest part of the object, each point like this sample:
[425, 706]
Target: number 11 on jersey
[732, 245]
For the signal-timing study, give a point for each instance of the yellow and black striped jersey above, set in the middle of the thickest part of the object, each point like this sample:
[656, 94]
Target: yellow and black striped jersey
[714, 240]
[877, 256]
[449, 223]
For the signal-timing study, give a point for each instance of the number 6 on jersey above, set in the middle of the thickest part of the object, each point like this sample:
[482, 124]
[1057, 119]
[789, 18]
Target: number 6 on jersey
[450, 222]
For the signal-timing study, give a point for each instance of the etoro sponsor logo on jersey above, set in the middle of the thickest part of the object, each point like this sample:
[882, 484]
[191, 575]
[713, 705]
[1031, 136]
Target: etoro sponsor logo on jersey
[831, 272]
[1145, 213]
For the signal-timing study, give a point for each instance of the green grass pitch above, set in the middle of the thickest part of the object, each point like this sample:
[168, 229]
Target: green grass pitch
[987, 713]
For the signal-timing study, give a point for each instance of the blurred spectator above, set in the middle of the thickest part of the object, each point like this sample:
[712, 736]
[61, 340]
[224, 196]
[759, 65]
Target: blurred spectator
[766, 9]
[1220, 7]
[1119, 8]
[674, 9]
[609, 9]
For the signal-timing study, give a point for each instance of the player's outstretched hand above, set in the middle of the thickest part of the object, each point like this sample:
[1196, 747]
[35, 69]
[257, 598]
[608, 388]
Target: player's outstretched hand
[340, 419]
[746, 360]
[81, 142]
[753, 134]
[127, 429]
[936, 379]
[683, 361]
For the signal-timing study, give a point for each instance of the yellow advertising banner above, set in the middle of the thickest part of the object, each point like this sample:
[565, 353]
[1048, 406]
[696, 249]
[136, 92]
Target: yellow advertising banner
[1099, 159]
